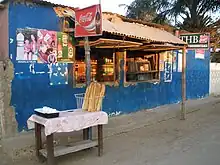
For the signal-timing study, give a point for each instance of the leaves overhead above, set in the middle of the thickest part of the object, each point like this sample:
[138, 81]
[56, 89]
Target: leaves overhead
[195, 14]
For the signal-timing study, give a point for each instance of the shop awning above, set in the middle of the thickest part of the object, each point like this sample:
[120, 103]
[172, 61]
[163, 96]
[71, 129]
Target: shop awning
[111, 43]
[139, 31]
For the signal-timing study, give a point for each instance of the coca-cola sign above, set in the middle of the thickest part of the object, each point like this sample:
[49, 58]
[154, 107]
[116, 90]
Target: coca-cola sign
[88, 21]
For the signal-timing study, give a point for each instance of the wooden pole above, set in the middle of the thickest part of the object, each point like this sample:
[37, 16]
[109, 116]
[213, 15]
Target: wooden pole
[100, 140]
[87, 61]
[87, 133]
[50, 150]
[183, 106]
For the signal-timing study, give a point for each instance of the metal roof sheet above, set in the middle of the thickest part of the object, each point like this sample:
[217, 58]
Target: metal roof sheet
[140, 31]
[43, 2]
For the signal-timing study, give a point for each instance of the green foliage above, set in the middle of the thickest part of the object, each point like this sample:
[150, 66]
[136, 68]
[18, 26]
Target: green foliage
[196, 14]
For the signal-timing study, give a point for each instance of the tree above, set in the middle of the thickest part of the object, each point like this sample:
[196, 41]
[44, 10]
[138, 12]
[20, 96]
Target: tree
[147, 10]
[195, 14]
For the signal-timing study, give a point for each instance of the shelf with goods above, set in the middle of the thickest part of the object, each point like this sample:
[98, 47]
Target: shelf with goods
[80, 71]
[141, 69]
[108, 70]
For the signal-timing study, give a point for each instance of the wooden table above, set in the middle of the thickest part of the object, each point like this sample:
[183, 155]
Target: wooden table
[68, 121]
[52, 152]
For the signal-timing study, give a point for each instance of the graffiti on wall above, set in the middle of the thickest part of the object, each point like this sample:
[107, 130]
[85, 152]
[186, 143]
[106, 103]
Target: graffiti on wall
[58, 73]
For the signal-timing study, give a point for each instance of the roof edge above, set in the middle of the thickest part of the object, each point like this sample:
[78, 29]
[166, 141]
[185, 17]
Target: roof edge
[40, 2]
[159, 26]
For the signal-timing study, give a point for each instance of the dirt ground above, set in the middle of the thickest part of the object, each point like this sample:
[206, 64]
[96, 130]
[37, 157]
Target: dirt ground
[195, 141]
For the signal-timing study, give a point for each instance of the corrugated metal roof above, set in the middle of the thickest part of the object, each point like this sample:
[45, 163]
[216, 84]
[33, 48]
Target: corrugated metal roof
[43, 2]
[166, 27]
[140, 31]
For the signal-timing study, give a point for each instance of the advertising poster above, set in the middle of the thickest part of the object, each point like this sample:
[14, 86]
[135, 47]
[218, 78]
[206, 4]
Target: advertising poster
[180, 56]
[65, 48]
[26, 46]
[47, 46]
[196, 40]
[58, 73]
[174, 61]
[168, 68]
[200, 54]
[88, 21]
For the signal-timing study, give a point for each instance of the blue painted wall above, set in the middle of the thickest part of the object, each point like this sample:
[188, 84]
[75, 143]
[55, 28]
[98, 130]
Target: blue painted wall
[31, 91]
[197, 75]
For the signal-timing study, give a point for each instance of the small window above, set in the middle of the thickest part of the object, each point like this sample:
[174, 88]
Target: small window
[142, 66]
[102, 66]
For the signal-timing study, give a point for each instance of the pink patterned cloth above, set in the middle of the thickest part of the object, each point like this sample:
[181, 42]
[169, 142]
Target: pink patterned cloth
[69, 121]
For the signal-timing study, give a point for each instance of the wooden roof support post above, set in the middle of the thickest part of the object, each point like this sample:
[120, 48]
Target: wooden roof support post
[183, 104]
[87, 133]
[87, 61]
[124, 67]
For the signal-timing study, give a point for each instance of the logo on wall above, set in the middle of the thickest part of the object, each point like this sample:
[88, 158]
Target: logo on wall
[88, 21]
[52, 59]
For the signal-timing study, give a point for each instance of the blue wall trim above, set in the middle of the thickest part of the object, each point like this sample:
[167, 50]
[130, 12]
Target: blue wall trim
[31, 91]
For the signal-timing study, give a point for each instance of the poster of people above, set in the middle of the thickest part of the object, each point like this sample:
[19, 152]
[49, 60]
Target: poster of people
[26, 46]
[47, 46]
[43, 46]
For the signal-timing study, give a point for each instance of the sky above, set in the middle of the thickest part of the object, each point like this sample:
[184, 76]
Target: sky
[107, 5]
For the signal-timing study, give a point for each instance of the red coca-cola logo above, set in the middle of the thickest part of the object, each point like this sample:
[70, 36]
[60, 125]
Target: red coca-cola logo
[204, 39]
[85, 18]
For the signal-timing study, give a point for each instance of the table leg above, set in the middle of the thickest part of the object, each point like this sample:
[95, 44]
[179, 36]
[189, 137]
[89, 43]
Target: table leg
[86, 134]
[100, 140]
[50, 150]
[38, 139]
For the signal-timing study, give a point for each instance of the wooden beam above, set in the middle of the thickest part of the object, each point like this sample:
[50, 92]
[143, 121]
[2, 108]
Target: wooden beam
[159, 49]
[71, 148]
[157, 46]
[111, 42]
[124, 68]
[50, 150]
[116, 46]
[38, 139]
[183, 108]
[100, 140]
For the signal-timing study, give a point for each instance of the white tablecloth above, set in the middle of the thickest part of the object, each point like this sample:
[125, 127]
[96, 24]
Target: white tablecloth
[69, 121]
